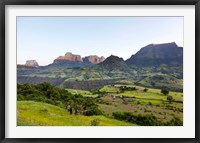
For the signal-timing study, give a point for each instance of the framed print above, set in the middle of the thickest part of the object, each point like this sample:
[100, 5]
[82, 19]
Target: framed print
[104, 71]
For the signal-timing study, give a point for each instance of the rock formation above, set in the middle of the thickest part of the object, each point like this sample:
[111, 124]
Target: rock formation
[32, 63]
[93, 59]
[69, 57]
[72, 58]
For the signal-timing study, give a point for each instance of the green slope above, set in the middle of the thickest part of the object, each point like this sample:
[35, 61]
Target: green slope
[162, 81]
[30, 113]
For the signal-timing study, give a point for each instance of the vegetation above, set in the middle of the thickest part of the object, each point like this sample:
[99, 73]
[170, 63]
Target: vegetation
[141, 102]
[95, 122]
[30, 113]
[97, 76]
[128, 103]
[46, 92]
[145, 120]
[170, 99]
[165, 91]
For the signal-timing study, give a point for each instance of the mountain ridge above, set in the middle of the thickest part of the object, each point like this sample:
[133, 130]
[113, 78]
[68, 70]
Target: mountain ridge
[157, 54]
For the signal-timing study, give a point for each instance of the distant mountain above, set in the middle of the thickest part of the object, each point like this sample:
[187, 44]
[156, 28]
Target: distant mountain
[157, 54]
[68, 57]
[72, 60]
[93, 59]
[32, 63]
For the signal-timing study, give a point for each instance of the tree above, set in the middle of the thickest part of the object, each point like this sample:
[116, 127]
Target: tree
[170, 99]
[165, 91]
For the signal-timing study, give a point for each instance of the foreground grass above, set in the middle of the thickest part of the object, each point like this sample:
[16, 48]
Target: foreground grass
[30, 113]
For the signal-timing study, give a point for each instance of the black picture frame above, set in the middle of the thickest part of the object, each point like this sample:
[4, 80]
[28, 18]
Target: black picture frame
[3, 3]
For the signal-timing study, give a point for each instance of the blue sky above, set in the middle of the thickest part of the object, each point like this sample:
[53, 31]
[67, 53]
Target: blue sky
[46, 38]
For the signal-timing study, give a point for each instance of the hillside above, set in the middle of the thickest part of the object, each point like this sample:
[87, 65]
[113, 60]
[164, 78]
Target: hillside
[162, 81]
[32, 113]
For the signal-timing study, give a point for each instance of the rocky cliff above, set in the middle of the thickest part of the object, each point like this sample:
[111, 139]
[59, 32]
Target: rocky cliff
[93, 59]
[72, 58]
[69, 57]
[32, 63]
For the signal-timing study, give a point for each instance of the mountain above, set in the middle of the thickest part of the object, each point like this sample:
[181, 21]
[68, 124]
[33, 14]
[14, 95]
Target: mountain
[68, 57]
[113, 62]
[113, 70]
[93, 59]
[113, 67]
[71, 60]
[157, 54]
[32, 63]
[155, 65]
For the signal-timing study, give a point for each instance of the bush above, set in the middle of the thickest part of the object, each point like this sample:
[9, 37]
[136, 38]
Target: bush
[95, 122]
[143, 120]
[165, 91]
[170, 99]
[145, 90]
[92, 110]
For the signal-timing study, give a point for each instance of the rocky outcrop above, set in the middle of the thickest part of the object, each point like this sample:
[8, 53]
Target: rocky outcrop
[32, 63]
[77, 59]
[69, 57]
[93, 59]
[157, 54]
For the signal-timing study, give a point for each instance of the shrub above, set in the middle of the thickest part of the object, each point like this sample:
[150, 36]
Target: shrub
[145, 120]
[165, 91]
[170, 99]
[145, 90]
[95, 122]
[92, 110]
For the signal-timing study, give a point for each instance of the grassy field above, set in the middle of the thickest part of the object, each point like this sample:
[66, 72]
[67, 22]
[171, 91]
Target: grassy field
[30, 113]
[139, 93]
[139, 102]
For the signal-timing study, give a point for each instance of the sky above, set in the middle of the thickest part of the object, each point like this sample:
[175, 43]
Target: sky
[45, 38]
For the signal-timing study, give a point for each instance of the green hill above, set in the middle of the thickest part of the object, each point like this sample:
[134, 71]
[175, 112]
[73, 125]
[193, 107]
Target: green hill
[162, 81]
[30, 113]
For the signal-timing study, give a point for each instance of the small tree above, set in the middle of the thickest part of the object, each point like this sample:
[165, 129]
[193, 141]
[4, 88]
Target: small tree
[170, 99]
[165, 91]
